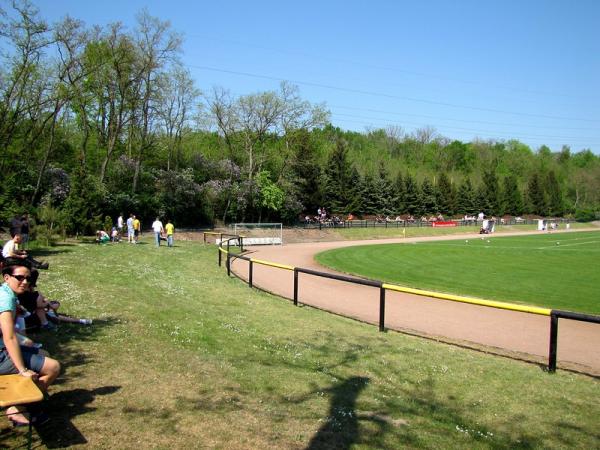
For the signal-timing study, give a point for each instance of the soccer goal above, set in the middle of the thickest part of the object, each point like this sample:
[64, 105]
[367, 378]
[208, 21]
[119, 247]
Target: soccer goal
[260, 233]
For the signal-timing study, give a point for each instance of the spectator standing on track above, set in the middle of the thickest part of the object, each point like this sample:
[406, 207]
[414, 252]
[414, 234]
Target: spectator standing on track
[170, 229]
[158, 229]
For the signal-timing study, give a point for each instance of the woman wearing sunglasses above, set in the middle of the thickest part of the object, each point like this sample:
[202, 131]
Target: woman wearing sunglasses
[27, 361]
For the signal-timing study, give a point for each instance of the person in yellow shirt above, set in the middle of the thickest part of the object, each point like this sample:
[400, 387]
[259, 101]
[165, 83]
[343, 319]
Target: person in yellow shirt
[170, 229]
[137, 227]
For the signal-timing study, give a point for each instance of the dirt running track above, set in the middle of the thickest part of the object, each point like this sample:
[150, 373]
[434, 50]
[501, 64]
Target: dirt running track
[514, 334]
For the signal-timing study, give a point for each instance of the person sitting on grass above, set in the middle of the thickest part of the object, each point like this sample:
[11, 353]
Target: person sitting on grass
[11, 250]
[17, 359]
[43, 312]
[102, 237]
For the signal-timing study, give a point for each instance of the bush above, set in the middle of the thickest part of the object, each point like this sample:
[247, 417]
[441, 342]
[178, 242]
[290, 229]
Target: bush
[586, 215]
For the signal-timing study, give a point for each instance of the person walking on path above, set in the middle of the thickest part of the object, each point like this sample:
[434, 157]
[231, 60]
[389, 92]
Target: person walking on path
[170, 229]
[130, 229]
[137, 227]
[158, 229]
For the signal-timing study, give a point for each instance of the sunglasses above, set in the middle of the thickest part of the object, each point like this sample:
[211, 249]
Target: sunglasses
[21, 278]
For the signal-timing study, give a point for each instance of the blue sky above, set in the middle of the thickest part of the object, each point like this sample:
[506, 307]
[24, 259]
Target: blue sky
[528, 70]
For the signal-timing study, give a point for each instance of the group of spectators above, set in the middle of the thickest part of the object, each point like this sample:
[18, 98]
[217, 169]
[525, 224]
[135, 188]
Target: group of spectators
[24, 310]
[133, 228]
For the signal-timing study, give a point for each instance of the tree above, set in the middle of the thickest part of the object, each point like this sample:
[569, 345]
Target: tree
[271, 196]
[338, 182]
[176, 97]
[554, 195]
[535, 195]
[156, 46]
[428, 198]
[445, 195]
[490, 192]
[383, 192]
[512, 198]
[465, 202]
[399, 194]
[412, 195]
[368, 194]
[306, 172]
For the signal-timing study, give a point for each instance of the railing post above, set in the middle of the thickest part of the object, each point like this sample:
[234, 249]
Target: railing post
[295, 287]
[228, 264]
[250, 272]
[553, 342]
[219, 252]
[241, 239]
[381, 308]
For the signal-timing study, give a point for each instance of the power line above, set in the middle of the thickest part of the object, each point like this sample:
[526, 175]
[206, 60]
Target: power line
[385, 68]
[384, 95]
[533, 136]
[462, 120]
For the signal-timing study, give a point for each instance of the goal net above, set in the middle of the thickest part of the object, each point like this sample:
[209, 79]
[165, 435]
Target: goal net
[260, 233]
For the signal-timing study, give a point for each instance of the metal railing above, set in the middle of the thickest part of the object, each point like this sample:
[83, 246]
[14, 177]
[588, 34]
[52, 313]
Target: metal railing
[554, 314]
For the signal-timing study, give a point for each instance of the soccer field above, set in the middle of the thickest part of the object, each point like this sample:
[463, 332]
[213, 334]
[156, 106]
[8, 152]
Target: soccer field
[558, 270]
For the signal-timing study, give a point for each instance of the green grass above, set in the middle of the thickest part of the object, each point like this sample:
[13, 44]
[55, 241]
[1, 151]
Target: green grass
[553, 270]
[180, 356]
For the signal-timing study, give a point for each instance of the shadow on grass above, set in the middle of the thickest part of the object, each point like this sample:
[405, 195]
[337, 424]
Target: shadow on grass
[63, 407]
[340, 430]
[49, 251]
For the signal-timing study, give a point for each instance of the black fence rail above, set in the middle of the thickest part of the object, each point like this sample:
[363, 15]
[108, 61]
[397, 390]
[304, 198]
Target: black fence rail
[224, 247]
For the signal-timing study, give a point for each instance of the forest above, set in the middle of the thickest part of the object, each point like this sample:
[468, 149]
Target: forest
[97, 121]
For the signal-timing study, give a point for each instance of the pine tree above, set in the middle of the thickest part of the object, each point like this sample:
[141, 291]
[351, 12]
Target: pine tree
[370, 201]
[555, 205]
[412, 196]
[465, 202]
[536, 201]
[428, 202]
[512, 198]
[338, 187]
[383, 192]
[306, 173]
[446, 195]
[399, 195]
[491, 192]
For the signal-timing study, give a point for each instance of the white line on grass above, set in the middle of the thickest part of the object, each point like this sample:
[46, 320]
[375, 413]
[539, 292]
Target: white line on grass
[568, 245]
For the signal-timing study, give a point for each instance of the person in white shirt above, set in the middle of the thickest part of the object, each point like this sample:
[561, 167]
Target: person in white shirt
[11, 251]
[120, 223]
[158, 229]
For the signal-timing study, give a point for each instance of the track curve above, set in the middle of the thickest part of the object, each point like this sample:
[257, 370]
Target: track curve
[510, 333]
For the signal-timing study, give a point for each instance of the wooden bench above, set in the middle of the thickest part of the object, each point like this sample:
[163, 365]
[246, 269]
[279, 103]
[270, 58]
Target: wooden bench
[19, 390]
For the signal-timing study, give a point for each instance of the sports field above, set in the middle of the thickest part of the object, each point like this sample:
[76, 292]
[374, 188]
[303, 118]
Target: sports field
[558, 271]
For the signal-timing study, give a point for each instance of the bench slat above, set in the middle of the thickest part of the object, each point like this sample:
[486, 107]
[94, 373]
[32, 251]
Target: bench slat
[18, 390]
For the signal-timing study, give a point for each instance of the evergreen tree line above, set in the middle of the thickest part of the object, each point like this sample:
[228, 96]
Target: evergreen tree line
[98, 121]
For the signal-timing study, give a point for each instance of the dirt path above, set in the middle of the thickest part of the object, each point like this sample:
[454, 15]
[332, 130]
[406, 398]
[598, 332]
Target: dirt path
[518, 335]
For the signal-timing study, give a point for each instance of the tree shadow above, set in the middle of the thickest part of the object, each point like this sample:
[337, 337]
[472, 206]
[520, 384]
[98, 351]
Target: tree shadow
[63, 407]
[54, 250]
[340, 430]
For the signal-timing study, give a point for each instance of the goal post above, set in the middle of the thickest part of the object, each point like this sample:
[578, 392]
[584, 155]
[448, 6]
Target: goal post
[260, 233]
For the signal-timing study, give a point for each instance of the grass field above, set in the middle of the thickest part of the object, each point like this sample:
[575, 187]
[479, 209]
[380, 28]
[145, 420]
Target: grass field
[557, 270]
[180, 356]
